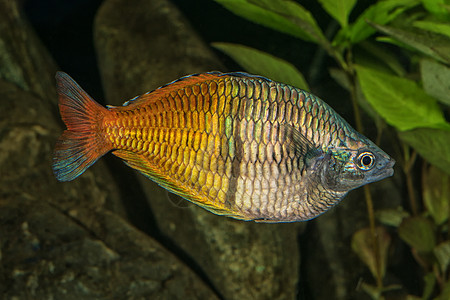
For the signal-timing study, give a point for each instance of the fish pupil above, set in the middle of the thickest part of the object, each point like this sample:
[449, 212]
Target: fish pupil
[366, 161]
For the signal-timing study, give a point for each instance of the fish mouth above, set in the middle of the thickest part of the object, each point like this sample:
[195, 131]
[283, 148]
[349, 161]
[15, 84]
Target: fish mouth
[389, 172]
[383, 172]
[389, 169]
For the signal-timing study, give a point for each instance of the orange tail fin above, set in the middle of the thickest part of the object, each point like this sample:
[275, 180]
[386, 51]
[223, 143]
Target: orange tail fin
[80, 145]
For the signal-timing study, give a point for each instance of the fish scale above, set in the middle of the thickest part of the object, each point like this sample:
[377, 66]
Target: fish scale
[176, 162]
[236, 144]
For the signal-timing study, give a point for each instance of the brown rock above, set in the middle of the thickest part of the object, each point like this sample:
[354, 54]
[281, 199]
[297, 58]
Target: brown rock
[83, 254]
[24, 60]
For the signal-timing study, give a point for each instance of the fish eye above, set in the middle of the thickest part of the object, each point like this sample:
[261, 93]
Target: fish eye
[365, 161]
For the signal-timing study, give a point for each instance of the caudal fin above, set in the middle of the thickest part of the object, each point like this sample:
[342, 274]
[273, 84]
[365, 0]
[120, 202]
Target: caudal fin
[80, 145]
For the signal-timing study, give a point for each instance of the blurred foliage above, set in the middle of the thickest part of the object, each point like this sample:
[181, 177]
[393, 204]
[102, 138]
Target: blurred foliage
[407, 86]
[258, 62]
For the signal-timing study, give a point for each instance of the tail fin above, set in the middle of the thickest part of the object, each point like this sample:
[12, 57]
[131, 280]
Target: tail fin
[80, 145]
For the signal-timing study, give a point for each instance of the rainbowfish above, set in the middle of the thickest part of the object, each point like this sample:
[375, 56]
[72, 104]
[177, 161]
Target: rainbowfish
[236, 144]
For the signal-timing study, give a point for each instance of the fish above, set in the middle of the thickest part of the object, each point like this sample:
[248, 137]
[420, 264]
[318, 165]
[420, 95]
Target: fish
[236, 144]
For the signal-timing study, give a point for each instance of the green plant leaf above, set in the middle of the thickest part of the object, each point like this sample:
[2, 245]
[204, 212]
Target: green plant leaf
[433, 45]
[445, 292]
[436, 193]
[431, 144]
[282, 15]
[418, 232]
[341, 77]
[429, 282]
[376, 292]
[436, 7]
[261, 63]
[436, 27]
[436, 79]
[400, 101]
[391, 40]
[373, 291]
[382, 12]
[391, 216]
[339, 9]
[362, 245]
[442, 253]
[380, 56]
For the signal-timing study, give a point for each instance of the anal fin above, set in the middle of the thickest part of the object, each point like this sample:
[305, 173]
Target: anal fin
[141, 163]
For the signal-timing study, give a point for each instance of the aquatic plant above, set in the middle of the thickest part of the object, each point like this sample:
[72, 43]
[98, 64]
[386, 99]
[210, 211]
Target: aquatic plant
[406, 86]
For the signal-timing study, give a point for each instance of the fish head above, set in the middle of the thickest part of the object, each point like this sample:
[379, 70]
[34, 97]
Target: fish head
[348, 169]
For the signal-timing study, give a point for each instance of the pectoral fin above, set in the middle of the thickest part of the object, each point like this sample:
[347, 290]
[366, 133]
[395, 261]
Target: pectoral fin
[302, 147]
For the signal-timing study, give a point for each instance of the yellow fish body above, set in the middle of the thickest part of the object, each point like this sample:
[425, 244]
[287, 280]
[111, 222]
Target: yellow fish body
[236, 144]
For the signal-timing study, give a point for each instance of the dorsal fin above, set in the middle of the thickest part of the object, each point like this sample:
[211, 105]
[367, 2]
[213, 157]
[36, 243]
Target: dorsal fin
[185, 81]
[247, 75]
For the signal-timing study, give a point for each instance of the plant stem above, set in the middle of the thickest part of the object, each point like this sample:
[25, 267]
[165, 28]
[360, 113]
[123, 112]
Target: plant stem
[412, 197]
[369, 203]
[410, 158]
[373, 233]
